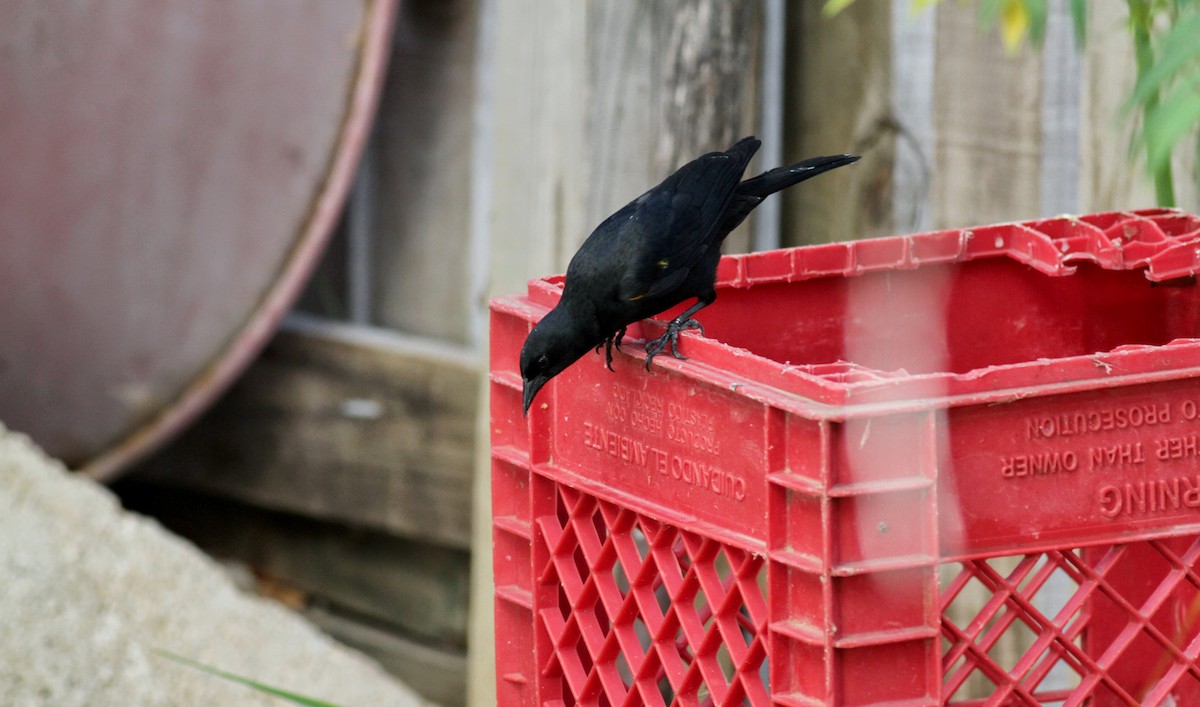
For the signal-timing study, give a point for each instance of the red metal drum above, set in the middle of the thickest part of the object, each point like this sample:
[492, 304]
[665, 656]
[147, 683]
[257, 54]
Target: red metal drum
[169, 174]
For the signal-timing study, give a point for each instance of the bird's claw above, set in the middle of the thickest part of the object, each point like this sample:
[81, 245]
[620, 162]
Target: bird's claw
[608, 344]
[670, 338]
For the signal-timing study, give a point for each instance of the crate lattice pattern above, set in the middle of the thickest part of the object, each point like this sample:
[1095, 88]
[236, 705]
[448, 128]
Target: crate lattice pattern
[1109, 625]
[649, 614]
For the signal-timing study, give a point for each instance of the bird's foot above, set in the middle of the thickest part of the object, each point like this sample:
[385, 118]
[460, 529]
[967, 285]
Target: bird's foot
[608, 344]
[671, 338]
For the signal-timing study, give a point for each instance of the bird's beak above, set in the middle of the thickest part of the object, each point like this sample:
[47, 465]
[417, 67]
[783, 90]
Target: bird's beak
[532, 386]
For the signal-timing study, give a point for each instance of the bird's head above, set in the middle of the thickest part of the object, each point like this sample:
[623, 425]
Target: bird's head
[555, 343]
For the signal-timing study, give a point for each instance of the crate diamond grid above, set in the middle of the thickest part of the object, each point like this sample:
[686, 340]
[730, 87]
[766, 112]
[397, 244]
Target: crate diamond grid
[1121, 620]
[639, 607]
[631, 611]
[649, 613]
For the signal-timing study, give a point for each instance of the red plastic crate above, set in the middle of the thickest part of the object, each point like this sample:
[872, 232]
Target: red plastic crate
[959, 467]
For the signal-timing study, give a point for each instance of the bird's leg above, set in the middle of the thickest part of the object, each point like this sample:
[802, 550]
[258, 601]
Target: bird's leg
[671, 335]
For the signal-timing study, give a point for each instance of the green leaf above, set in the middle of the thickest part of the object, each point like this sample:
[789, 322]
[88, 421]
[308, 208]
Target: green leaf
[1079, 19]
[989, 12]
[1166, 124]
[833, 7]
[1037, 10]
[1017, 19]
[1140, 14]
[1179, 47]
[1195, 165]
[277, 692]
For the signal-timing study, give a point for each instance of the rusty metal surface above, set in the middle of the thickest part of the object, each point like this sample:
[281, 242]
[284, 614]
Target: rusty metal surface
[169, 173]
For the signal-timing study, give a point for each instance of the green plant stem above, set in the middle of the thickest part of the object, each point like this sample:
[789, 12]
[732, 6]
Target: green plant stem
[292, 697]
[1139, 17]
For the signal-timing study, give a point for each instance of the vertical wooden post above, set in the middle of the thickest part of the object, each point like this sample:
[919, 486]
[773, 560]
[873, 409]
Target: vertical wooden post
[914, 50]
[1061, 85]
[422, 168]
[667, 82]
[838, 100]
[988, 140]
[1107, 179]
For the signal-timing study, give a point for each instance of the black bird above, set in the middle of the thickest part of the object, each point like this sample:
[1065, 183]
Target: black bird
[660, 249]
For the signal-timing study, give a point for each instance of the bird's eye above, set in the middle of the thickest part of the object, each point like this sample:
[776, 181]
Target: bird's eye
[543, 361]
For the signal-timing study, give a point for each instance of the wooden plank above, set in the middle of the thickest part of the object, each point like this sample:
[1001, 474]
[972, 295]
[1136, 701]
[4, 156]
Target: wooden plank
[410, 588]
[913, 52]
[437, 674]
[401, 602]
[481, 631]
[770, 120]
[1062, 81]
[988, 140]
[538, 158]
[838, 100]
[422, 172]
[342, 423]
[669, 81]
[600, 102]
[1108, 181]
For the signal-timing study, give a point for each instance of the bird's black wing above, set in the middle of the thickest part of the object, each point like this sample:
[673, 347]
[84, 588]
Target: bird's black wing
[669, 228]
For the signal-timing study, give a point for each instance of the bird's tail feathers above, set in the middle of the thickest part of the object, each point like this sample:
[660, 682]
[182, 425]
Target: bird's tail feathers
[744, 148]
[779, 178]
